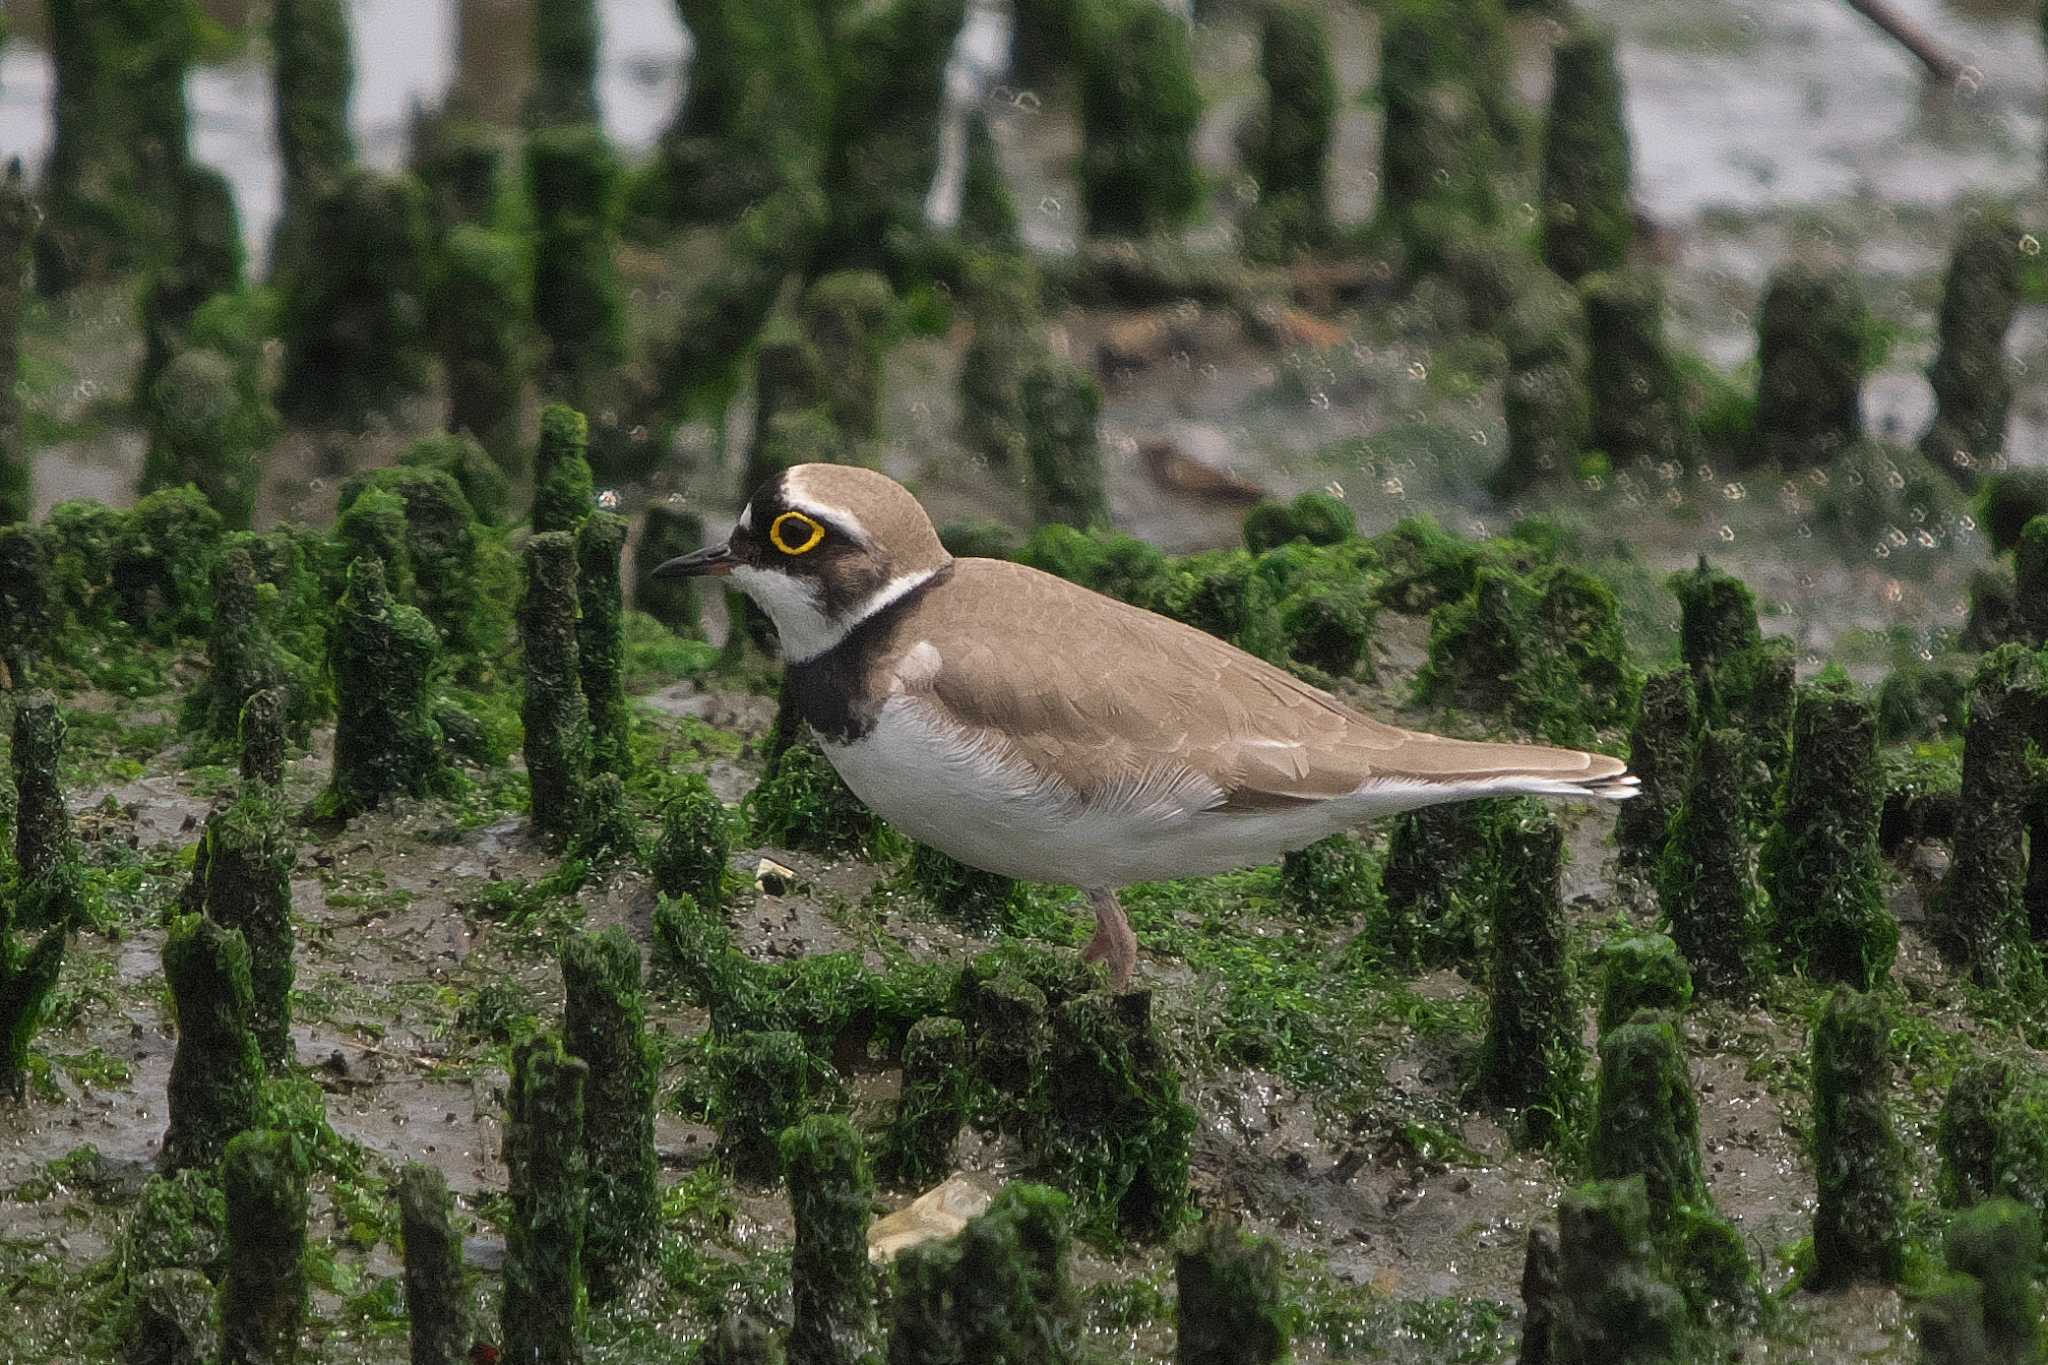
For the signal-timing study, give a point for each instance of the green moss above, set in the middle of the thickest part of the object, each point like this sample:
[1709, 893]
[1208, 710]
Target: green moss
[118, 137]
[1531, 1057]
[1967, 1136]
[205, 259]
[1952, 1322]
[600, 641]
[604, 1023]
[217, 1073]
[846, 318]
[1315, 517]
[695, 845]
[667, 531]
[2030, 582]
[564, 491]
[1232, 1308]
[355, 319]
[242, 881]
[2019, 1146]
[1434, 887]
[1916, 702]
[579, 302]
[29, 971]
[263, 1299]
[381, 656]
[1709, 1262]
[1874, 490]
[43, 839]
[881, 156]
[1546, 401]
[1820, 866]
[988, 212]
[1978, 915]
[242, 658]
[1646, 1121]
[1294, 134]
[1860, 1166]
[437, 1291]
[969, 897]
[372, 526]
[554, 714]
[1813, 349]
[765, 1084]
[1332, 881]
[1660, 753]
[481, 479]
[1003, 299]
[1060, 406]
[1118, 1131]
[1972, 386]
[1641, 972]
[167, 1318]
[461, 160]
[27, 601]
[1139, 111]
[541, 1315]
[204, 433]
[1442, 78]
[1998, 1244]
[1588, 219]
[179, 1222]
[1547, 651]
[483, 300]
[565, 57]
[802, 803]
[315, 71]
[742, 1338]
[19, 222]
[1639, 416]
[2008, 502]
[1705, 885]
[932, 1107]
[162, 558]
[830, 1191]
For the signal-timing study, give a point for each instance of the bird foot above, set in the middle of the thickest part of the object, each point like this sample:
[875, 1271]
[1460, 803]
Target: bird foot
[1114, 944]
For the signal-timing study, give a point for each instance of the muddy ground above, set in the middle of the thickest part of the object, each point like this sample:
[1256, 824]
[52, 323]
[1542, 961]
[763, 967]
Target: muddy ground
[1763, 132]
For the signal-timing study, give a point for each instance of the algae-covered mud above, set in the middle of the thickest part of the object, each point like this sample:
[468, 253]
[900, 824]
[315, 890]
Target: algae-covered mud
[426, 937]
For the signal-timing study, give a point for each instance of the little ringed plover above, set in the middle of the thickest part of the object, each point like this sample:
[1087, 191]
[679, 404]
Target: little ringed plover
[1029, 727]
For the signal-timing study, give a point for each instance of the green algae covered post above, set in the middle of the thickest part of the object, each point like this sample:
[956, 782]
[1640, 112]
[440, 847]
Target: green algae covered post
[242, 658]
[1546, 401]
[1972, 386]
[217, 1073]
[205, 431]
[263, 1298]
[556, 719]
[482, 307]
[665, 532]
[315, 77]
[382, 655]
[579, 304]
[1117, 1125]
[564, 491]
[1588, 219]
[1859, 1229]
[933, 1106]
[1059, 404]
[29, 971]
[1293, 143]
[600, 642]
[1660, 753]
[1639, 413]
[437, 1291]
[1820, 865]
[695, 844]
[1531, 1057]
[2030, 583]
[1639, 972]
[1978, 916]
[205, 259]
[830, 1193]
[244, 883]
[1610, 1307]
[1967, 1134]
[845, 318]
[1233, 1310]
[356, 336]
[42, 823]
[764, 1086]
[1646, 1121]
[565, 58]
[541, 1316]
[1434, 908]
[19, 219]
[1139, 110]
[1813, 350]
[605, 1024]
[1704, 882]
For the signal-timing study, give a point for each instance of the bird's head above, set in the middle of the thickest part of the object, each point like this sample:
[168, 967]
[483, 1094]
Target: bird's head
[820, 548]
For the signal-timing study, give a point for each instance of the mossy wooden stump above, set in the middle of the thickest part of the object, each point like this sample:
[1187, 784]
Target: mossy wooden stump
[263, 1299]
[437, 1290]
[1705, 885]
[1660, 754]
[1813, 349]
[557, 719]
[1531, 1057]
[382, 655]
[932, 1108]
[216, 1081]
[1972, 386]
[1232, 1307]
[830, 1194]
[605, 1024]
[242, 880]
[541, 1317]
[1859, 1226]
[1588, 221]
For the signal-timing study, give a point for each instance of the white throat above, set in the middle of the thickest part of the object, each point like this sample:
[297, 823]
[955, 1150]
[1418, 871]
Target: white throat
[799, 613]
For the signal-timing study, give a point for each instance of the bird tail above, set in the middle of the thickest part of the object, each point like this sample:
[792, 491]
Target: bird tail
[1476, 768]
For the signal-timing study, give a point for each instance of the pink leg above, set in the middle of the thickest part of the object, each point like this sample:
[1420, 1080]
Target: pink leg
[1114, 943]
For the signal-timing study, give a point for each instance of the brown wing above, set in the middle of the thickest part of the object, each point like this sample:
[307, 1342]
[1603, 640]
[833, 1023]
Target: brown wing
[1078, 683]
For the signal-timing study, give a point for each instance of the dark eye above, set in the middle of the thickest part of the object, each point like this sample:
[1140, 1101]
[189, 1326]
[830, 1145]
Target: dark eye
[793, 533]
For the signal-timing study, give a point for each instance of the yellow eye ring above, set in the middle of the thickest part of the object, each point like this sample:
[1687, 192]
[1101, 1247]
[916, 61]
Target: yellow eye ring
[812, 531]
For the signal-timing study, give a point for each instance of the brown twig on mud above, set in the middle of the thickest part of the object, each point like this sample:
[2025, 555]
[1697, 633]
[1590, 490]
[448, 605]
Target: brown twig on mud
[1939, 63]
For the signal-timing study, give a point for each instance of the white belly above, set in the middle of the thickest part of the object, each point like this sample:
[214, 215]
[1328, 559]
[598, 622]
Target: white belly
[968, 799]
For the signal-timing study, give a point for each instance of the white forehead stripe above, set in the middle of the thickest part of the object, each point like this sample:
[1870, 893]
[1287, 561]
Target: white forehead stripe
[746, 521]
[797, 496]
